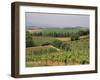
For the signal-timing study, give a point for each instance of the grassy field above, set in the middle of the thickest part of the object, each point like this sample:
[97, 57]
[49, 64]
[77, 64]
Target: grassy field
[49, 49]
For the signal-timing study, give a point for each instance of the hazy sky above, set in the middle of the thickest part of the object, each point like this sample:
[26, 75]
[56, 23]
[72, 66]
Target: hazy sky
[56, 20]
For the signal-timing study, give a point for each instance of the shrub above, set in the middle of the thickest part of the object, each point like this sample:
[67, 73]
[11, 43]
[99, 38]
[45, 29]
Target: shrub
[61, 45]
[84, 32]
[46, 43]
[74, 37]
[57, 43]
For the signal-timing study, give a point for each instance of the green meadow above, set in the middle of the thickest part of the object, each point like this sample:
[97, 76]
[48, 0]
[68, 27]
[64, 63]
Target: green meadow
[57, 46]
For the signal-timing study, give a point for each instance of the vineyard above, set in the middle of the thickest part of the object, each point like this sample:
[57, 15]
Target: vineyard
[53, 47]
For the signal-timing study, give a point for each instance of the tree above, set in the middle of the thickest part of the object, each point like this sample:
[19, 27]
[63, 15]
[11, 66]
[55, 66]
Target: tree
[74, 37]
[83, 32]
[29, 40]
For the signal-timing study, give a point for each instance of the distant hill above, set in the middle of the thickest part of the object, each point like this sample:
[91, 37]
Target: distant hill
[37, 27]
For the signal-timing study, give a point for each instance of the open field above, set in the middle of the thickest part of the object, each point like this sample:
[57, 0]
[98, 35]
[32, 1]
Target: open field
[52, 47]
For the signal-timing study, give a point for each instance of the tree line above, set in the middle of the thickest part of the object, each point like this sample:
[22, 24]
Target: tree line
[61, 34]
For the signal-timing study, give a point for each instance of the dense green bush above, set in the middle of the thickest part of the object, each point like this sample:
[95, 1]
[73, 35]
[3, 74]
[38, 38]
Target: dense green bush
[46, 43]
[57, 43]
[85, 32]
[29, 40]
[74, 37]
[61, 45]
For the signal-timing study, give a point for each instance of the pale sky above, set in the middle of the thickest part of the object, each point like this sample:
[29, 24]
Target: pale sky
[56, 20]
